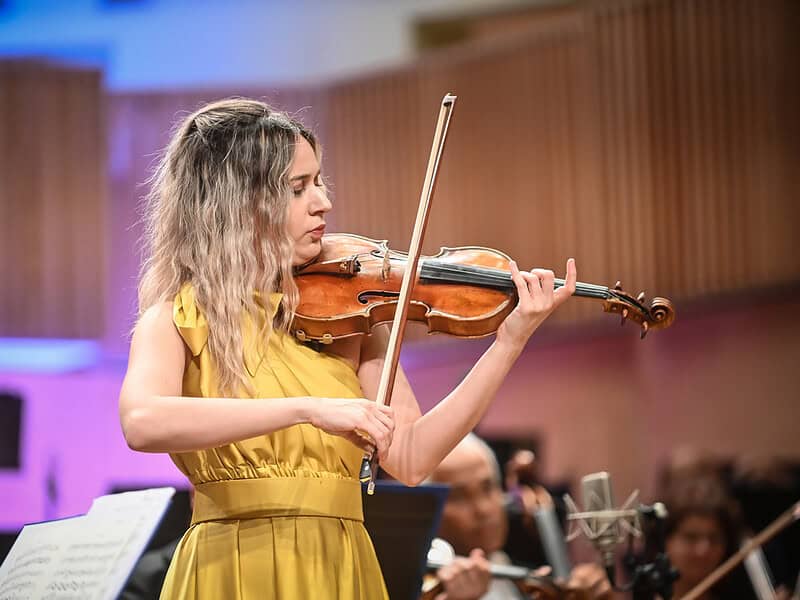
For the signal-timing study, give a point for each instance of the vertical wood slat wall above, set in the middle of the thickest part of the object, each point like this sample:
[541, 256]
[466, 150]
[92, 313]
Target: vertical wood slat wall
[654, 140]
[52, 201]
[711, 148]
[650, 139]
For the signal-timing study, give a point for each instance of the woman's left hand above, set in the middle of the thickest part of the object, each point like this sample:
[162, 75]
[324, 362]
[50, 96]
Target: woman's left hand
[537, 299]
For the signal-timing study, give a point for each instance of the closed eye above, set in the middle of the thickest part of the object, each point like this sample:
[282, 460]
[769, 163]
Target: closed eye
[300, 183]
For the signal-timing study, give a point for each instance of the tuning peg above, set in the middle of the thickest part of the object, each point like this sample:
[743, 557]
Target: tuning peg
[645, 328]
[640, 297]
[618, 286]
[624, 316]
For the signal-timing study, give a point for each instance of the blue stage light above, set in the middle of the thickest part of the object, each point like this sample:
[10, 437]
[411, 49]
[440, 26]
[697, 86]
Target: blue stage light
[40, 355]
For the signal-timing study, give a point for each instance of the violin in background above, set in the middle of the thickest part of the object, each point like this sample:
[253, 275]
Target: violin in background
[534, 584]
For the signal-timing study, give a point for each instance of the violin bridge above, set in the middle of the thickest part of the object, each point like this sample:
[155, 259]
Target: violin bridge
[386, 268]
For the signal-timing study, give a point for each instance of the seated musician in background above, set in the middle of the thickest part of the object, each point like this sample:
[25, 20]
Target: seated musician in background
[524, 496]
[765, 487]
[689, 463]
[475, 523]
[713, 501]
[703, 528]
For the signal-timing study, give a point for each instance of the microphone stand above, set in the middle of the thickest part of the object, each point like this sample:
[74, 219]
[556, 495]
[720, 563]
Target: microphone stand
[656, 577]
[649, 572]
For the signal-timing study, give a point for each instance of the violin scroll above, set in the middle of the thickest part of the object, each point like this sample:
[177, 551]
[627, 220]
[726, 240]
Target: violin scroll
[659, 315]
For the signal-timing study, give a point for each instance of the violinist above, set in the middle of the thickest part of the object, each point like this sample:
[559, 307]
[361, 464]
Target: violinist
[703, 528]
[271, 431]
[475, 523]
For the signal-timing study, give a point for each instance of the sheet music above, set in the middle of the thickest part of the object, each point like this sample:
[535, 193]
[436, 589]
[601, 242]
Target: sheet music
[84, 558]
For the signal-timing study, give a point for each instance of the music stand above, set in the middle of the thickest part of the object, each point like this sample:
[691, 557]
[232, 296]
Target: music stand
[402, 521]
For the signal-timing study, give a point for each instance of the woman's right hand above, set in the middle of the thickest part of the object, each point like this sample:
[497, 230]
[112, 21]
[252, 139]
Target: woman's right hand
[365, 423]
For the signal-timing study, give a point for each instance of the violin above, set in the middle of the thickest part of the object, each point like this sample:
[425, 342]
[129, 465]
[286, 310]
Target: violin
[337, 300]
[529, 582]
[355, 282]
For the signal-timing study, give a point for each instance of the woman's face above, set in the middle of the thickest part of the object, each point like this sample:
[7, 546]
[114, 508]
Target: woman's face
[308, 206]
[696, 547]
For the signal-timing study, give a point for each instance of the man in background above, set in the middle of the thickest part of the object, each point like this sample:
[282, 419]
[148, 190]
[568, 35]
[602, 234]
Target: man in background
[475, 523]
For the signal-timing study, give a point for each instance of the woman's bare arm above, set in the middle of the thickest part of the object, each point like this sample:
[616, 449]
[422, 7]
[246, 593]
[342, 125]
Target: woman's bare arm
[155, 416]
[422, 441]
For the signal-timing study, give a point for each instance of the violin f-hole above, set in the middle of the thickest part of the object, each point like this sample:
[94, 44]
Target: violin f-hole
[364, 297]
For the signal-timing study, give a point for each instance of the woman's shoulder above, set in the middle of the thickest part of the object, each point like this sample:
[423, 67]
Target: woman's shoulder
[157, 316]
[180, 316]
[155, 325]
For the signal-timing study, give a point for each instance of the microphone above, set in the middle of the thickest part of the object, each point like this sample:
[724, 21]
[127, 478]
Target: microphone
[548, 527]
[602, 524]
[552, 538]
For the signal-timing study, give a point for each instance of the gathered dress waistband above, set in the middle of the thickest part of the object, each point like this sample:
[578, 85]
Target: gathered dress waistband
[278, 497]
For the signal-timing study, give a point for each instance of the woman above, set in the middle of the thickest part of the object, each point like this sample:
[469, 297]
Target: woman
[269, 431]
[703, 529]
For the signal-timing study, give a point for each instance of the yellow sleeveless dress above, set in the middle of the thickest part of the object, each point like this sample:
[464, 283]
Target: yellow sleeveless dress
[279, 515]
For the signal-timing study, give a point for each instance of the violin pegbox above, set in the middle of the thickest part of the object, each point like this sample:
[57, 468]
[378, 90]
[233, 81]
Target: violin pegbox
[659, 315]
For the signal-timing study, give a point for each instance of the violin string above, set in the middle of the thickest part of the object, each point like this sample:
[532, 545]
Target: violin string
[496, 278]
[441, 271]
[502, 277]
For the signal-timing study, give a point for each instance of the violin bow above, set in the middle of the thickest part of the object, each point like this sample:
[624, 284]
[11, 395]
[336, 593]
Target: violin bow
[369, 465]
[786, 519]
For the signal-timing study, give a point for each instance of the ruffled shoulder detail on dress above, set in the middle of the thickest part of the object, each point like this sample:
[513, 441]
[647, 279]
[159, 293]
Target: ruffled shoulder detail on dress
[189, 319]
[272, 305]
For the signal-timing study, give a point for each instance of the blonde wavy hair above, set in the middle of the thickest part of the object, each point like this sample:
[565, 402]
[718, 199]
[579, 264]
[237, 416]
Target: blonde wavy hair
[216, 217]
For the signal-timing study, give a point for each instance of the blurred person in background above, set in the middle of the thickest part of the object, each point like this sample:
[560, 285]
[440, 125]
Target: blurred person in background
[702, 529]
[525, 495]
[690, 463]
[475, 523]
[765, 487]
[747, 492]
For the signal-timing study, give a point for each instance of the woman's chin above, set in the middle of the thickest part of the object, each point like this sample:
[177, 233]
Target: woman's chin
[306, 254]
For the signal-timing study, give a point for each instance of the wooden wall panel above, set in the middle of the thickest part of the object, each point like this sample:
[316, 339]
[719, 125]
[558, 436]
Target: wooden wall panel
[713, 162]
[644, 137]
[654, 140]
[52, 194]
